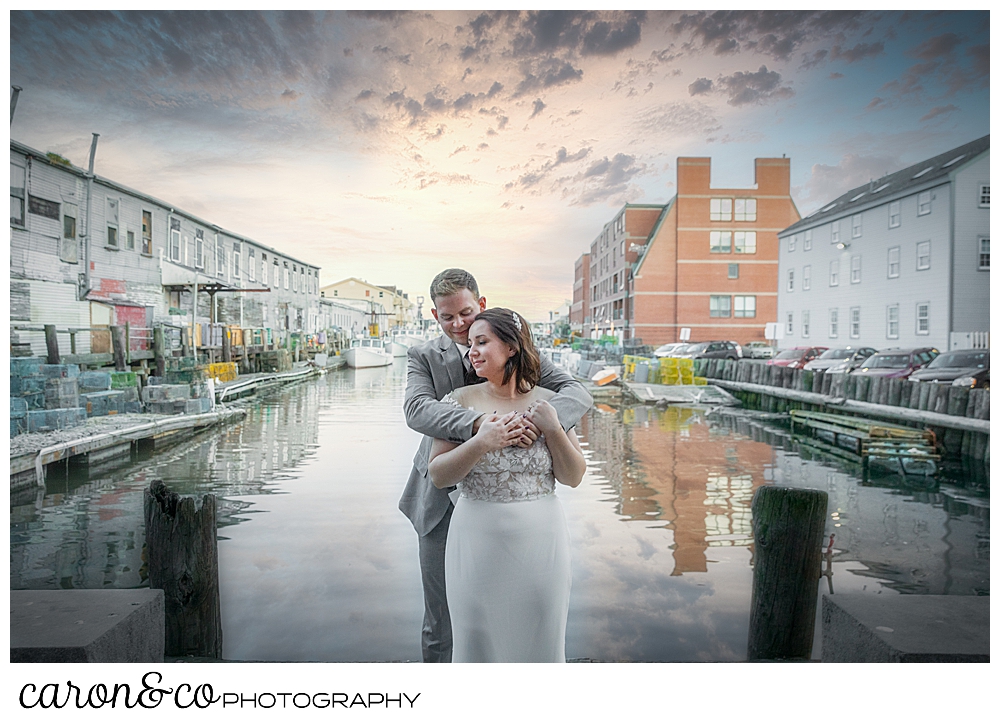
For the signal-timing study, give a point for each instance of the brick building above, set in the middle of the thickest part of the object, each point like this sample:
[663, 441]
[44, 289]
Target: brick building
[707, 260]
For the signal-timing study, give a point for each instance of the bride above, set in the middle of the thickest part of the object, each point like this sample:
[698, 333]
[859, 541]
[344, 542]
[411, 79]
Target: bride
[507, 562]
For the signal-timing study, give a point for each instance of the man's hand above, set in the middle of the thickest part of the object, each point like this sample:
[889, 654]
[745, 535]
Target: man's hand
[543, 416]
[498, 431]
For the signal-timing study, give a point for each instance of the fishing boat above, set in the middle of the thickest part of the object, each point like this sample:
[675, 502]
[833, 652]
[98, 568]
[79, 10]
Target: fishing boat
[399, 345]
[368, 352]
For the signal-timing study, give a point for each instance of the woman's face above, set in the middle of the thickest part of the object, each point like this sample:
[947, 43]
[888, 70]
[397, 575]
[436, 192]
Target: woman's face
[487, 353]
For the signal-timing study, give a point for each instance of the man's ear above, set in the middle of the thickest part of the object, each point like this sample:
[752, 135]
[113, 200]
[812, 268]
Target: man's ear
[482, 303]
[434, 313]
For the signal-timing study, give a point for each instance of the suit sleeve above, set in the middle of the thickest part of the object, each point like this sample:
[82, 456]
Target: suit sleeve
[571, 401]
[424, 412]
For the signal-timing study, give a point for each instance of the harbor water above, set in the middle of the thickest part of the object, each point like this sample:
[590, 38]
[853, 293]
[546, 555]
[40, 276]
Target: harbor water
[317, 563]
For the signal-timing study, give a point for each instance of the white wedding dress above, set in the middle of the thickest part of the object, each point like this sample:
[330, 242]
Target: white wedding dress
[507, 562]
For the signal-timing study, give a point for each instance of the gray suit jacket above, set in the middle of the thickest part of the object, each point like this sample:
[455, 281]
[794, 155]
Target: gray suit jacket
[433, 370]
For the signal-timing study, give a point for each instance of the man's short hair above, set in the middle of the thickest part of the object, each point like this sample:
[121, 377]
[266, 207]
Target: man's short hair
[452, 281]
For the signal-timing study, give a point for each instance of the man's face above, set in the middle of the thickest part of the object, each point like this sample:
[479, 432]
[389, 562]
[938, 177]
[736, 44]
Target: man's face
[456, 312]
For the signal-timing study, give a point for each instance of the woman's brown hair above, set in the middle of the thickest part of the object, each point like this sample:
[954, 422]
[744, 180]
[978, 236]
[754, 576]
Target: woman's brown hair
[512, 329]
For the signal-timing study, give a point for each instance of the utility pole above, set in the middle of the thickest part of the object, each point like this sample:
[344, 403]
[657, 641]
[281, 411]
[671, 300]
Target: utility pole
[13, 101]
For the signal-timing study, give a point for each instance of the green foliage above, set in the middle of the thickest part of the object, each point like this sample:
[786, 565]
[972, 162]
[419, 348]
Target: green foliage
[56, 158]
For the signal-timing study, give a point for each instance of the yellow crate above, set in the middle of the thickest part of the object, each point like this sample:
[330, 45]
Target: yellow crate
[685, 363]
[669, 362]
[223, 371]
[700, 381]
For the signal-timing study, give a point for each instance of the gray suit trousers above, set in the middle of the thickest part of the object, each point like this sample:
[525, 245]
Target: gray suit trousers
[436, 634]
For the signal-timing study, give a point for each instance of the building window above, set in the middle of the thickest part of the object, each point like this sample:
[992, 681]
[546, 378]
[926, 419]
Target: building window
[746, 209]
[894, 215]
[69, 221]
[791, 242]
[734, 269]
[286, 275]
[130, 240]
[745, 242]
[807, 240]
[263, 269]
[719, 306]
[984, 195]
[924, 203]
[923, 255]
[236, 260]
[199, 248]
[892, 269]
[111, 221]
[835, 232]
[721, 209]
[720, 241]
[834, 322]
[745, 306]
[806, 278]
[220, 258]
[16, 194]
[855, 269]
[892, 321]
[251, 264]
[147, 233]
[834, 272]
[790, 323]
[175, 239]
[805, 324]
[855, 322]
[924, 317]
[856, 226]
[790, 286]
[984, 254]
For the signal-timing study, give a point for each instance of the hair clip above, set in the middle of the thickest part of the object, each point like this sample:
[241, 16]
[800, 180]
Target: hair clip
[517, 320]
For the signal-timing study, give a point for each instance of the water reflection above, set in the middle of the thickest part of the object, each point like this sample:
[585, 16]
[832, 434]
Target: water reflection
[317, 563]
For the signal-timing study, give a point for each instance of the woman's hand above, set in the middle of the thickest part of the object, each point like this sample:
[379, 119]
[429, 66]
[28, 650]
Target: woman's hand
[543, 416]
[497, 432]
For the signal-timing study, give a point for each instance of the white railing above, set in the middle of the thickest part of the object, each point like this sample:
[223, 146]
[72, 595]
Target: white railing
[969, 340]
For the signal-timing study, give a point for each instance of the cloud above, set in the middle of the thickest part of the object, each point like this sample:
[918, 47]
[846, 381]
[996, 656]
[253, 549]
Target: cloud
[546, 74]
[836, 76]
[533, 178]
[874, 103]
[939, 110]
[537, 107]
[858, 52]
[827, 182]
[678, 118]
[937, 47]
[755, 88]
[774, 33]
[288, 95]
[604, 38]
[700, 87]
[605, 180]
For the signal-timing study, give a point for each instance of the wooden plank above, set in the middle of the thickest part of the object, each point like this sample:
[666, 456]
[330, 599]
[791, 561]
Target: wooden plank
[88, 359]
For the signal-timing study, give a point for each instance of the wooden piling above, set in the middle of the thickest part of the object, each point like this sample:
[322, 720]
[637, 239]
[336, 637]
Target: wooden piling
[118, 347]
[183, 558]
[160, 350]
[788, 526]
[51, 344]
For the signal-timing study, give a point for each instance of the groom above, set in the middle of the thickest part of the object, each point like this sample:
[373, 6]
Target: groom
[434, 369]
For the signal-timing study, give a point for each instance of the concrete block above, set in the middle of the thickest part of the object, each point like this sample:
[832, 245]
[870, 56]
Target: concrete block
[52, 371]
[47, 420]
[123, 380]
[906, 629]
[87, 626]
[18, 407]
[61, 392]
[31, 385]
[95, 381]
[25, 366]
[101, 404]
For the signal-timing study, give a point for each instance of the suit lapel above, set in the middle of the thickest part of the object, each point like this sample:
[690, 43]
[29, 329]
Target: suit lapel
[452, 361]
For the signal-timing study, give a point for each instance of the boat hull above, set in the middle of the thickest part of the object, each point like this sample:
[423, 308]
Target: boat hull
[363, 358]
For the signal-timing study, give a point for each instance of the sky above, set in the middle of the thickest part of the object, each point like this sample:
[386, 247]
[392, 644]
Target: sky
[391, 145]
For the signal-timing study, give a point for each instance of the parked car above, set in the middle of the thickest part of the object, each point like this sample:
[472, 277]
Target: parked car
[711, 350]
[845, 358]
[758, 350]
[796, 357]
[963, 368]
[896, 363]
[671, 349]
